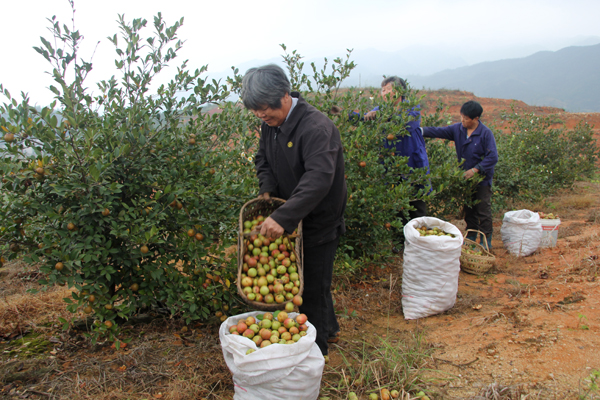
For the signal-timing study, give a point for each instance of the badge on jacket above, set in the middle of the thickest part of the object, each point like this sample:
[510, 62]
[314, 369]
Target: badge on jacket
[290, 144]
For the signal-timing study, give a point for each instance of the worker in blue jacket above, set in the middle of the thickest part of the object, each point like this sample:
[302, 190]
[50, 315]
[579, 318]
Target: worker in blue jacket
[476, 145]
[411, 145]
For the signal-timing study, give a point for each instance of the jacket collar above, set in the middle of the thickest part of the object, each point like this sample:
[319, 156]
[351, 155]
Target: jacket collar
[298, 112]
[476, 132]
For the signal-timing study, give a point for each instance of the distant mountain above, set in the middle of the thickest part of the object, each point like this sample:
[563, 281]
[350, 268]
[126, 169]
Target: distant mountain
[373, 64]
[568, 78]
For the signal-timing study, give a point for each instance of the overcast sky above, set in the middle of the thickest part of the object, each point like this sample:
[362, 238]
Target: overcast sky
[225, 33]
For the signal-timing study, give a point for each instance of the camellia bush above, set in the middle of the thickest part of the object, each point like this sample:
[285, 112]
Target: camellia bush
[538, 156]
[127, 194]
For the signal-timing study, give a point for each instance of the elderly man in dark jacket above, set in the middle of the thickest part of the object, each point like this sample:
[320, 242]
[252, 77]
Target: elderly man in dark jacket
[300, 159]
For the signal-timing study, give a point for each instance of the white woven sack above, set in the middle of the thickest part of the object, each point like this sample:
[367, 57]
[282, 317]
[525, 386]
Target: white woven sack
[287, 371]
[431, 268]
[521, 232]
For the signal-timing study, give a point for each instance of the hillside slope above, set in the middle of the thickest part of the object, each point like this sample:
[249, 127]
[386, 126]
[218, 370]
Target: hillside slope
[568, 78]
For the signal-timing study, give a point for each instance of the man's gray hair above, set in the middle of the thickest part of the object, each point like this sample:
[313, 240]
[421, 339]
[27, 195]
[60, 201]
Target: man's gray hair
[395, 81]
[264, 86]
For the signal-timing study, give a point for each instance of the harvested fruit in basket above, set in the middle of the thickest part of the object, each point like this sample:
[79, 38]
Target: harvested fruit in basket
[269, 271]
[251, 223]
[473, 251]
[270, 328]
[543, 215]
[427, 231]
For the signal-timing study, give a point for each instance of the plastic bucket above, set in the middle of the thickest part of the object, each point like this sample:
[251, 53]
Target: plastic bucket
[549, 232]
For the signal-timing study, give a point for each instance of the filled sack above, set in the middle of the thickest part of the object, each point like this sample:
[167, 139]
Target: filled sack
[521, 232]
[286, 371]
[431, 267]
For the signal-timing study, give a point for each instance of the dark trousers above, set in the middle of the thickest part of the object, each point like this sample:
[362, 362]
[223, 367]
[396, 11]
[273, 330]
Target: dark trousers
[317, 301]
[479, 217]
[420, 210]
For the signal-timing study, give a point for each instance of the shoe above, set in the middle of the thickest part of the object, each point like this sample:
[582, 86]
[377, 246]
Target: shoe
[397, 249]
[334, 338]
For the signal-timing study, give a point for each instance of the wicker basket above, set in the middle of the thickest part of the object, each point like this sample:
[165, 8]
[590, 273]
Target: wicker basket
[250, 210]
[474, 263]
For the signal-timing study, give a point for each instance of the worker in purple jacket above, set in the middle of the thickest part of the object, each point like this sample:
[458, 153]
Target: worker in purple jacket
[411, 145]
[476, 146]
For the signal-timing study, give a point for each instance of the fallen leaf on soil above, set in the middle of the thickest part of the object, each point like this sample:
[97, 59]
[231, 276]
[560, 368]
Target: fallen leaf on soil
[477, 307]
[572, 298]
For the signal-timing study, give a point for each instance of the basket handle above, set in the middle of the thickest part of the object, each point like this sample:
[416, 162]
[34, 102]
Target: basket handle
[484, 237]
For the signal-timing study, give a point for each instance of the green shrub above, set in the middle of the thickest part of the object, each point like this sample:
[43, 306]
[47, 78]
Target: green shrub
[128, 197]
[536, 157]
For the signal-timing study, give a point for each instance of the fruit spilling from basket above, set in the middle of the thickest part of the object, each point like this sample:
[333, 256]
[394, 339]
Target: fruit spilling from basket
[269, 271]
[266, 329]
[426, 231]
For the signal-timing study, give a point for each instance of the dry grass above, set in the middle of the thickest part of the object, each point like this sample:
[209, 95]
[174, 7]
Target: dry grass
[576, 201]
[368, 367]
[515, 288]
[154, 366]
[573, 229]
[589, 266]
[24, 311]
[593, 216]
[160, 362]
[496, 391]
